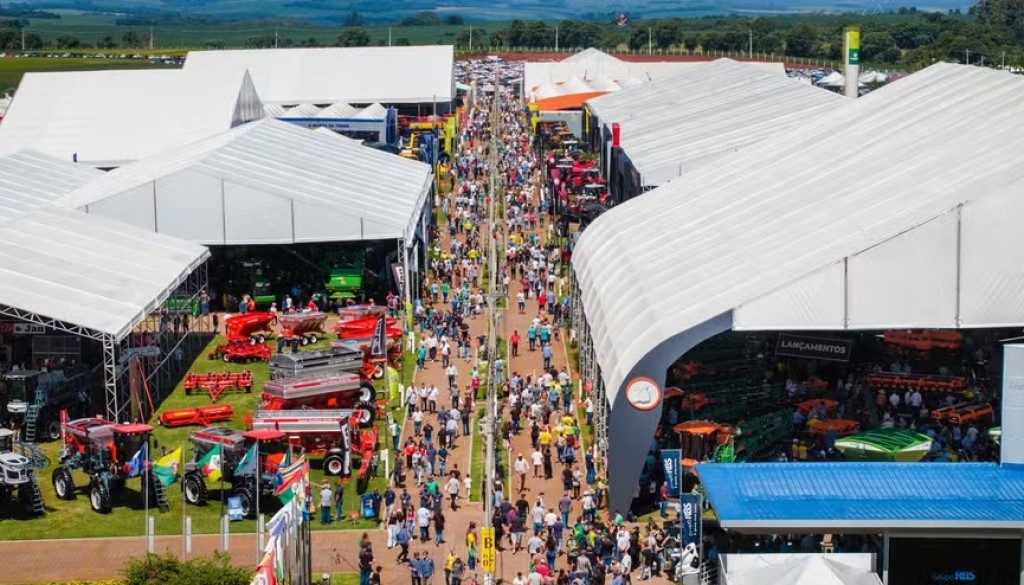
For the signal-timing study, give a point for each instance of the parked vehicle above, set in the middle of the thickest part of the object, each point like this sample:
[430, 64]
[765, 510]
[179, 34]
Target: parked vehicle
[36, 399]
[106, 452]
[17, 477]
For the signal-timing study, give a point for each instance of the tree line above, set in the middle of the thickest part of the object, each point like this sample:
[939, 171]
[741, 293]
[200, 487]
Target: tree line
[992, 31]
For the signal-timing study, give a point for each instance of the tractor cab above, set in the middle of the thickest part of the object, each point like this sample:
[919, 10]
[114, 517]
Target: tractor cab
[14, 468]
[125, 441]
[592, 192]
[20, 390]
[231, 442]
[273, 446]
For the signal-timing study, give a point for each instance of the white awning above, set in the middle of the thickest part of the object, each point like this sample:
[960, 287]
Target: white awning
[357, 75]
[87, 271]
[269, 182]
[108, 118]
[712, 112]
[899, 210]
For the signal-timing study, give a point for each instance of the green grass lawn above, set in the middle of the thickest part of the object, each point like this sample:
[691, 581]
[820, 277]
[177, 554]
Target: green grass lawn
[13, 68]
[75, 519]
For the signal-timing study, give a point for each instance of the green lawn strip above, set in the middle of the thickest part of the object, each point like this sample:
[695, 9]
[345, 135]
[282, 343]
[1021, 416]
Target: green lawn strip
[75, 519]
[12, 69]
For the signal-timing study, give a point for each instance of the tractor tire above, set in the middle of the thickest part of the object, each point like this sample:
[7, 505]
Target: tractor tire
[193, 489]
[63, 483]
[378, 372]
[305, 341]
[368, 413]
[313, 338]
[25, 496]
[248, 497]
[99, 498]
[367, 393]
[260, 338]
[53, 429]
[334, 465]
[226, 358]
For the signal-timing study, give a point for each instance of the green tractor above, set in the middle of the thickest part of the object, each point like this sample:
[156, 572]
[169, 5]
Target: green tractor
[346, 278]
[262, 291]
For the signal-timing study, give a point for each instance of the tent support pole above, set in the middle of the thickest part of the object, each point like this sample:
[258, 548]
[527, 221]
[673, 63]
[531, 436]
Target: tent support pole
[110, 378]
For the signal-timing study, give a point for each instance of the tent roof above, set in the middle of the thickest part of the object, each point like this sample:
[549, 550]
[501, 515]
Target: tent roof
[335, 188]
[90, 272]
[712, 112]
[844, 222]
[536, 73]
[112, 117]
[30, 180]
[359, 75]
[662, 92]
[827, 497]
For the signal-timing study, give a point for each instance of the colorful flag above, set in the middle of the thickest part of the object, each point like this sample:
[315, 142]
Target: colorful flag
[137, 464]
[247, 465]
[394, 381]
[265, 573]
[210, 465]
[166, 468]
[290, 474]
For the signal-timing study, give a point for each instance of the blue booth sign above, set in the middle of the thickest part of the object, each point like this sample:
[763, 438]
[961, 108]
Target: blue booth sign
[690, 519]
[673, 473]
[235, 509]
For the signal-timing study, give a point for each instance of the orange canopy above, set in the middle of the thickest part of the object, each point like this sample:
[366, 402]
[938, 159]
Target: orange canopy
[567, 102]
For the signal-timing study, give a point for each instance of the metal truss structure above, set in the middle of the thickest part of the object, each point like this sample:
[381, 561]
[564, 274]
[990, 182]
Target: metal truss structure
[165, 340]
[590, 371]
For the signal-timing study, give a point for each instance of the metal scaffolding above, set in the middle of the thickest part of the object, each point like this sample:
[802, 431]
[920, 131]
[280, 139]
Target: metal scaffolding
[590, 370]
[165, 340]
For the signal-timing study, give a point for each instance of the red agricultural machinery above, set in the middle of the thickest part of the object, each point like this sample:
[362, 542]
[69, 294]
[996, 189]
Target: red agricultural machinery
[924, 383]
[202, 415]
[342, 391]
[926, 340]
[243, 483]
[217, 383]
[309, 327]
[332, 434]
[363, 329]
[247, 335]
[109, 454]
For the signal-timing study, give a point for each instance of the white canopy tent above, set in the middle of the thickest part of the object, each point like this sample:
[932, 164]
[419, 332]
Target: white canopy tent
[592, 63]
[30, 180]
[108, 118]
[269, 182]
[843, 223]
[637, 100]
[803, 570]
[713, 112]
[357, 75]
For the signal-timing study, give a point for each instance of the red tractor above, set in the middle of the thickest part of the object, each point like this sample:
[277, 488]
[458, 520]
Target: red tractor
[342, 391]
[332, 434]
[109, 454]
[234, 444]
[247, 334]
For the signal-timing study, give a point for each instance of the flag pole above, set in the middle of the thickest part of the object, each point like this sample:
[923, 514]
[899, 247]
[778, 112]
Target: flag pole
[145, 488]
[259, 488]
[184, 502]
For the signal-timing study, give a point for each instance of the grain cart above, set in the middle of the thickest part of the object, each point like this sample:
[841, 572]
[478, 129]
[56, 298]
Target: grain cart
[329, 433]
[309, 327]
[17, 477]
[234, 445]
[37, 398]
[246, 336]
[343, 391]
[106, 451]
[318, 363]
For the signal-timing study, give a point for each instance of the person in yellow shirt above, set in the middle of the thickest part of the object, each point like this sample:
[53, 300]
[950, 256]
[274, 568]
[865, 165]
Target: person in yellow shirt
[449, 563]
[544, 438]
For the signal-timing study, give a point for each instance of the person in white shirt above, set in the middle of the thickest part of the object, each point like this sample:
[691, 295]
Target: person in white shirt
[538, 462]
[521, 467]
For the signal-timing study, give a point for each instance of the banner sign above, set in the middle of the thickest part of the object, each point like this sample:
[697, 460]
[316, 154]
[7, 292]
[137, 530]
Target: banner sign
[816, 348]
[235, 509]
[690, 519]
[1011, 444]
[852, 45]
[673, 473]
[22, 328]
[487, 561]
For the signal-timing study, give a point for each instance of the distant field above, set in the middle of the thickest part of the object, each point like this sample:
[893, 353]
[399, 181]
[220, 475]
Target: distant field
[91, 28]
[12, 68]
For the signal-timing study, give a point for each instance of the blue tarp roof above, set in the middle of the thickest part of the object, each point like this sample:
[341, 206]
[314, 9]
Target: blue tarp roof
[864, 495]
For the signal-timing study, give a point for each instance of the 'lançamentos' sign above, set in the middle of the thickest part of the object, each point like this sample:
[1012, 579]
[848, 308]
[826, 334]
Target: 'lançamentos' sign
[816, 348]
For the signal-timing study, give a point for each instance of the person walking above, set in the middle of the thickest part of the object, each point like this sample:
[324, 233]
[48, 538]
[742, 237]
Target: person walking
[426, 569]
[365, 563]
[521, 467]
[339, 500]
[423, 521]
[402, 540]
[452, 489]
[326, 496]
[439, 522]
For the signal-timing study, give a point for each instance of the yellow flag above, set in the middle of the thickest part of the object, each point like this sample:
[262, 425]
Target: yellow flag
[167, 467]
